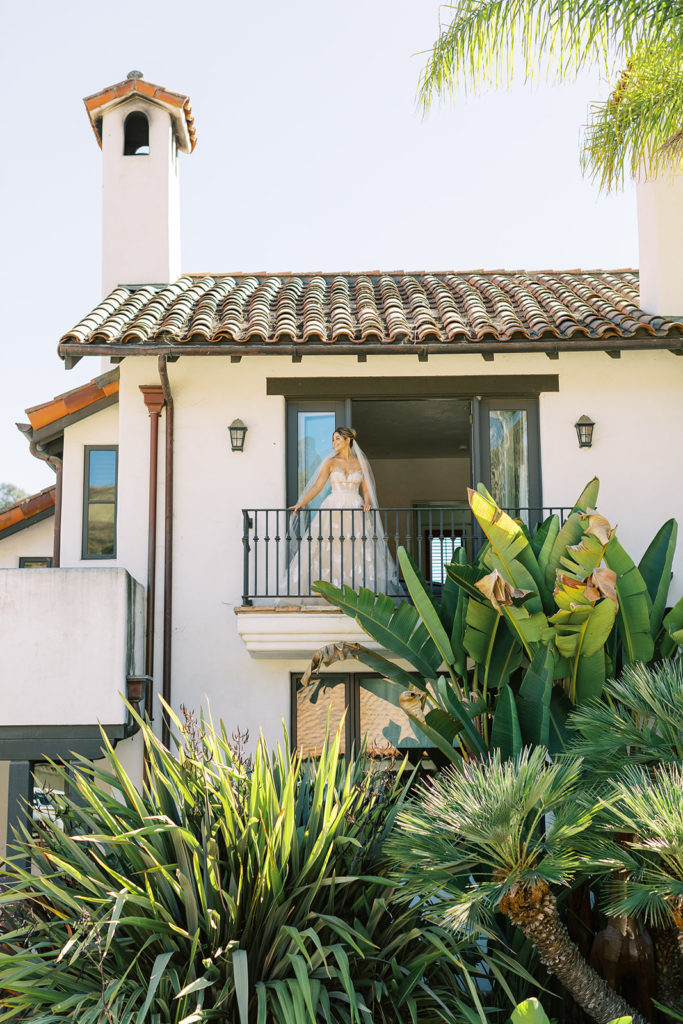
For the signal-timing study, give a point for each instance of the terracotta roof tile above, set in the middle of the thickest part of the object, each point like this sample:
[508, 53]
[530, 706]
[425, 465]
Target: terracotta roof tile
[27, 508]
[74, 400]
[394, 309]
[185, 130]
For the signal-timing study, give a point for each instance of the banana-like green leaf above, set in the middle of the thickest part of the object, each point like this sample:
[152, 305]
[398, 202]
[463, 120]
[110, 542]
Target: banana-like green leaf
[466, 576]
[560, 709]
[529, 1012]
[533, 699]
[541, 532]
[673, 624]
[425, 606]
[481, 622]
[506, 734]
[458, 634]
[583, 558]
[460, 723]
[396, 627]
[655, 568]
[503, 534]
[450, 593]
[504, 659]
[510, 542]
[590, 677]
[549, 539]
[522, 579]
[528, 627]
[579, 636]
[570, 533]
[588, 499]
[634, 610]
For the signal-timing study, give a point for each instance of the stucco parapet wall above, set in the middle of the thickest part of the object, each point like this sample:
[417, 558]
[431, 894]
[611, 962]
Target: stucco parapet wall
[296, 632]
[69, 638]
[393, 312]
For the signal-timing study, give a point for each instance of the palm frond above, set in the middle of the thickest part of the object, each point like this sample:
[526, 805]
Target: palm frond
[550, 37]
[638, 129]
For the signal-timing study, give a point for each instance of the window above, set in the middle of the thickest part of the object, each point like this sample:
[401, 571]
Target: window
[99, 501]
[372, 711]
[136, 135]
[35, 562]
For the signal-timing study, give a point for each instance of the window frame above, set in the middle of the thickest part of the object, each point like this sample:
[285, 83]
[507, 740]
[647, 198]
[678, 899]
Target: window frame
[352, 683]
[45, 559]
[87, 449]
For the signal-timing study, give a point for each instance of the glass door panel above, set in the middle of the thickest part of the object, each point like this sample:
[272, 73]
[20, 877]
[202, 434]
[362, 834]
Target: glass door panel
[310, 426]
[383, 725]
[508, 462]
[314, 442]
[509, 449]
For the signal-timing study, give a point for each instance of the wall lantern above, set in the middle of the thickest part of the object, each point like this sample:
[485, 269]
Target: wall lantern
[584, 431]
[237, 434]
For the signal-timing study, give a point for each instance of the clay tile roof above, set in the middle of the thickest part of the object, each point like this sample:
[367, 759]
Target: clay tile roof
[390, 309]
[75, 400]
[27, 508]
[177, 105]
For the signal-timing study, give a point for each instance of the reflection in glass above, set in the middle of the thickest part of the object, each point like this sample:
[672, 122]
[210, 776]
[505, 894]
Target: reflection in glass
[314, 430]
[102, 476]
[383, 724]
[508, 438]
[101, 529]
[318, 709]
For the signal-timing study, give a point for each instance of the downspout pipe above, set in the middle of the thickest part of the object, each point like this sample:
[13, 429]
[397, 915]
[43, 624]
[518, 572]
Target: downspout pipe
[55, 463]
[154, 400]
[168, 553]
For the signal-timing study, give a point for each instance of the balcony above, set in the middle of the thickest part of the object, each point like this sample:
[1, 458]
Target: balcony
[284, 555]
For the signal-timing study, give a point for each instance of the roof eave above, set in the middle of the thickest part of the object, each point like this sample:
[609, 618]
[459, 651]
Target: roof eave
[71, 352]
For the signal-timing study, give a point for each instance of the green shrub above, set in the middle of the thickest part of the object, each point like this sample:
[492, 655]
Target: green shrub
[226, 891]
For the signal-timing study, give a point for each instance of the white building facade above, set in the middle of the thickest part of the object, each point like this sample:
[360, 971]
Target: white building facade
[171, 546]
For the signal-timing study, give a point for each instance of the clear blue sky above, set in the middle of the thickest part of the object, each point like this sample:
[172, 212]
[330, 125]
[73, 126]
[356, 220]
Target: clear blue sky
[311, 155]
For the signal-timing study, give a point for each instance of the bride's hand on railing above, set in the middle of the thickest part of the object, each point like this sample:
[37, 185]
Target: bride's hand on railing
[294, 509]
[367, 507]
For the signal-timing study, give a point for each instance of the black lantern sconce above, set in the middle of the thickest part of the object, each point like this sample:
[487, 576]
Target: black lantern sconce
[584, 431]
[238, 432]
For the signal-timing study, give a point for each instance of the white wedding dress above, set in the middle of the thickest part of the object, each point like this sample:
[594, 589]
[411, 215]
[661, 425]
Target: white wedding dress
[341, 543]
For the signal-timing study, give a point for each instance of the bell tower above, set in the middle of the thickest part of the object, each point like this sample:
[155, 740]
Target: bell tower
[140, 128]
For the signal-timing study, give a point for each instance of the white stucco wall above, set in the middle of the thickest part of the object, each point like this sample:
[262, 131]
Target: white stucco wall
[69, 638]
[660, 243]
[635, 402]
[100, 428]
[36, 541]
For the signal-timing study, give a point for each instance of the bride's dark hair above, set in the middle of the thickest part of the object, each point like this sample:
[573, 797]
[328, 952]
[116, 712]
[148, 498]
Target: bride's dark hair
[347, 432]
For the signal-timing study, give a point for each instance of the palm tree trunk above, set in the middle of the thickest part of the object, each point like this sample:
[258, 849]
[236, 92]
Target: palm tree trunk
[668, 957]
[534, 910]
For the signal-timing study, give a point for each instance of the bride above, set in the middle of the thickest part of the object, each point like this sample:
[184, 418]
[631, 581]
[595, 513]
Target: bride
[344, 542]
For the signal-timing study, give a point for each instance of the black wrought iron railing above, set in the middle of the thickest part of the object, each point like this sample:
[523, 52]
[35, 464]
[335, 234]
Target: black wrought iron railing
[285, 554]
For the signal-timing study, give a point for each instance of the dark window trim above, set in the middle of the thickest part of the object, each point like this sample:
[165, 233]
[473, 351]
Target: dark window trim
[489, 386]
[45, 559]
[88, 448]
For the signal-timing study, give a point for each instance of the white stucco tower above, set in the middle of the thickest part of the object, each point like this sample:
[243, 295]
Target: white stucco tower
[660, 243]
[140, 128]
